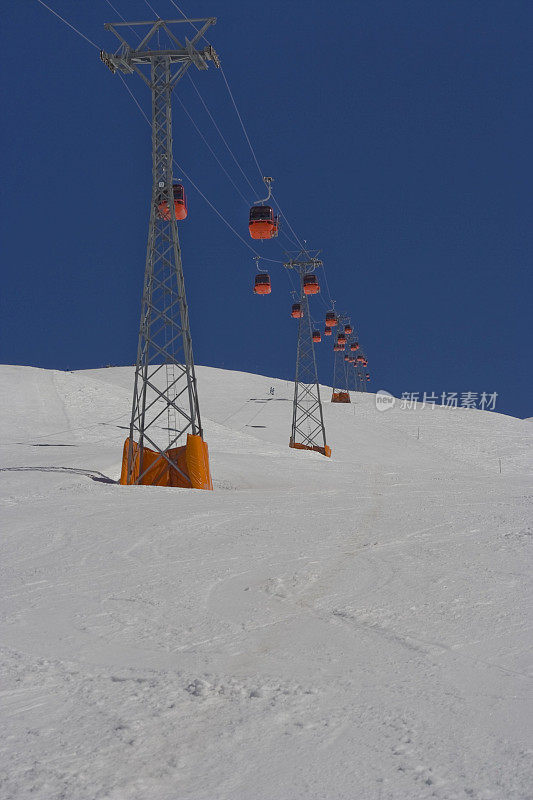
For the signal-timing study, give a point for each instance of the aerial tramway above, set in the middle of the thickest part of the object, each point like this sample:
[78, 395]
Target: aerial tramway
[147, 457]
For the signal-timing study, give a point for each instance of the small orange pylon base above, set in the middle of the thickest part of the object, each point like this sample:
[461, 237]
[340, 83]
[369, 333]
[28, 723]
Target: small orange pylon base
[340, 397]
[326, 451]
[191, 470]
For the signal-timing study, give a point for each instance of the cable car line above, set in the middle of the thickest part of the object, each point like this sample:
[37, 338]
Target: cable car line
[121, 17]
[247, 139]
[242, 123]
[196, 187]
[210, 116]
[51, 10]
[292, 241]
[209, 203]
[217, 212]
[152, 9]
[252, 187]
[254, 155]
[219, 162]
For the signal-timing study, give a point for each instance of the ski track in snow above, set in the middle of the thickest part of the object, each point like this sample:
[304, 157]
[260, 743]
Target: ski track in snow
[353, 628]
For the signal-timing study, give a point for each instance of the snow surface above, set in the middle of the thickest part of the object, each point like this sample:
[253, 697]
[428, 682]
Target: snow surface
[346, 628]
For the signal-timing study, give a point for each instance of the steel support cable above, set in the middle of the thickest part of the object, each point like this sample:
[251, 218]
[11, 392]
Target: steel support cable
[288, 223]
[230, 151]
[51, 10]
[209, 203]
[121, 17]
[293, 242]
[234, 105]
[254, 155]
[256, 160]
[242, 123]
[327, 284]
[152, 9]
[296, 237]
[227, 146]
[187, 18]
[289, 238]
[219, 162]
[224, 220]
[231, 96]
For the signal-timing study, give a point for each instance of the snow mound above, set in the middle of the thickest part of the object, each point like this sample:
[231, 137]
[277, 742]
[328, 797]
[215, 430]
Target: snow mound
[353, 627]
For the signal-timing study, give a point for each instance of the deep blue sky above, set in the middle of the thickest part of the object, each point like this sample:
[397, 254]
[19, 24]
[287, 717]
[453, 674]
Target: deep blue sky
[399, 133]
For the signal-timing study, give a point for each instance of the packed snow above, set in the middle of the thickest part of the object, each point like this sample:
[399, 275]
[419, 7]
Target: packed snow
[343, 629]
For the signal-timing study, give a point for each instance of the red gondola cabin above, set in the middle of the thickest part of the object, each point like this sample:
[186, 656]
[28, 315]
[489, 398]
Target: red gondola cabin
[296, 311]
[262, 284]
[311, 284]
[316, 336]
[341, 339]
[348, 329]
[180, 204]
[327, 331]
[263, 222]
[331, 319]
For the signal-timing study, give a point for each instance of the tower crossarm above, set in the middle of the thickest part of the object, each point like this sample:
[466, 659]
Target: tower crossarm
[131, 58]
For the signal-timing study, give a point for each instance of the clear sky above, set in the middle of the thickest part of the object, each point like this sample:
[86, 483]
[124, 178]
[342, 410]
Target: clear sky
[399, 135]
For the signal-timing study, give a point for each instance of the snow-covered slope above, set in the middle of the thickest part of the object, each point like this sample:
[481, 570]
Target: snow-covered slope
[346, 628]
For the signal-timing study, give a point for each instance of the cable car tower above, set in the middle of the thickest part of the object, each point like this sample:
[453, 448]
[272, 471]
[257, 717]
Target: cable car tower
[165, 446]
[308, 431]
[341, 392]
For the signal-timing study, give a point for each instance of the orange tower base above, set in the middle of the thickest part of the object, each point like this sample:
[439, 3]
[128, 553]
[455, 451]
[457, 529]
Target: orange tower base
[340, 397]
[326, 451]
[192, 460]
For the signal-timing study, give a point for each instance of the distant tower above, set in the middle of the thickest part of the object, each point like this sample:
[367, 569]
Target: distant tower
[308, 431]
[341, 391]
[165, 446]
[360, 377]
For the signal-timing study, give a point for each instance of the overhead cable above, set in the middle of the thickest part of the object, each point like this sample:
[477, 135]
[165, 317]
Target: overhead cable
[51, 10]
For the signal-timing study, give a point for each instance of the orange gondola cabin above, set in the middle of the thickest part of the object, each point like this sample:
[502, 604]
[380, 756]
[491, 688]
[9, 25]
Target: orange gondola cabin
[354, 346]
[180, 204]
[327, 331]
[296, 311]
[331, 319]
[341, 339]
[262, 284]
[348, 329]
[311, 285]
[316, 336]
[263, 222]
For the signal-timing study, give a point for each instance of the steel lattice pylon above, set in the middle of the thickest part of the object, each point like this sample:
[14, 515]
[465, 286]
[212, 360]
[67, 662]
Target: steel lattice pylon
[340, 373]
[308, 431]
[165, 410]
[341, 390]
